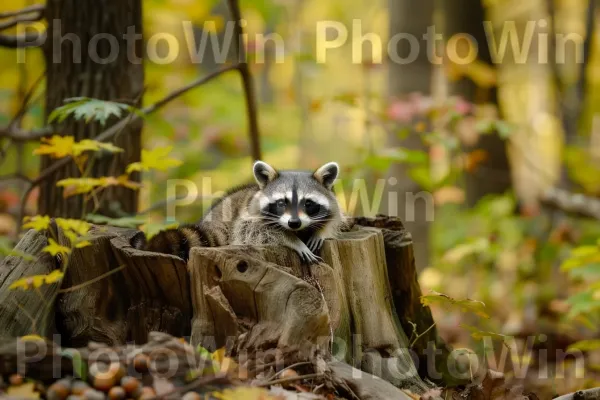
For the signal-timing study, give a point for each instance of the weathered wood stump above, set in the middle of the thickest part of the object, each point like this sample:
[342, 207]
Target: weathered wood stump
[359, 303]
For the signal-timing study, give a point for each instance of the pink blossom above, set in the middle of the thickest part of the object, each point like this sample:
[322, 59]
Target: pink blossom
[462, 106]
[401, 111]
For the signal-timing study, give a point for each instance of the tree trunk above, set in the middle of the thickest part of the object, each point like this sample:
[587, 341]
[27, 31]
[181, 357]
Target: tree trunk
[492, 176]
[409, 17]
[82, 60]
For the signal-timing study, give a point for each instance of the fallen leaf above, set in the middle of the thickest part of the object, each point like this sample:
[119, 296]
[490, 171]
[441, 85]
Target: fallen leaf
[24, 391]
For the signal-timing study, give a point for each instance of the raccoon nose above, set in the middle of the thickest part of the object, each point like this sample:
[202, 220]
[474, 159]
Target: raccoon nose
[294, 223]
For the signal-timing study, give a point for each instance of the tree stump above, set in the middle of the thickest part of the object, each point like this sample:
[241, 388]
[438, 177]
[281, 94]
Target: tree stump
[359, 303]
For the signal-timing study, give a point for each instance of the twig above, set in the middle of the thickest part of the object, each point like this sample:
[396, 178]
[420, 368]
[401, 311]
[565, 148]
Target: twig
[571, 203]
[21, 41]
[15, 177]
[14, 123]
[26, 10]
[19, 19]
[298, 364]
[28, 315]
[247, 82]
[19, 135]
[291, 379]
[421, 335]
[96, 279]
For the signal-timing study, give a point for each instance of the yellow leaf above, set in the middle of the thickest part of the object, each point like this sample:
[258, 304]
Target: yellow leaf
[24, 391]
[53, 277]
[94, 145]
[32, 338]
[54, 248]
[155, 159]
[76, 225]
[37, 222]
[124, 181]
[32, 282]
[83, 244]
[245, 393]
[464, 305]
[218, 355]
[152, 229]
[56, 146]
[75, 186]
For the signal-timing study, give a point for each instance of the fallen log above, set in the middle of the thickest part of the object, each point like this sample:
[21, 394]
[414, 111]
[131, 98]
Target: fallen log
[359, 304]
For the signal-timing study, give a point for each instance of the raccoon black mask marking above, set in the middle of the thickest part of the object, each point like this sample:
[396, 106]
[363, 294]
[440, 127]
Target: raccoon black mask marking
[296, 209]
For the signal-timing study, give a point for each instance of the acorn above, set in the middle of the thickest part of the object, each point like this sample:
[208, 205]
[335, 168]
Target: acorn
[141, 362]
[79, 387]
[130, 384]
[146, 393]
[117, 393]
[15, 379]
[93, 395]
[59, 390]
[105, 377]
[191, 396]
[288, 373]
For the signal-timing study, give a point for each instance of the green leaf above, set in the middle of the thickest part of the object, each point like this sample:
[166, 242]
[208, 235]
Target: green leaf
[504, 129]
[123, 222]
[583, 303]
[464, 305]
[87, 109]
[152, 229]
[6, 249]
[79, 365]
[585, 345]
[478, 334]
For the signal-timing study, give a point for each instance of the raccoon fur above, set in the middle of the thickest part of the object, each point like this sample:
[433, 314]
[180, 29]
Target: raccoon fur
[296, 209]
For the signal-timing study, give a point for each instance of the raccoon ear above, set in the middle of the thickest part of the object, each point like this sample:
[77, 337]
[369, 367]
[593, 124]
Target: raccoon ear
[263, 173]
[327, 174]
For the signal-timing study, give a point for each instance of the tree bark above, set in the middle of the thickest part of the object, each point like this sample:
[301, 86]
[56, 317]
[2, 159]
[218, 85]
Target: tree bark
[82, 61]
[492, 176]
[409, 17]
[27, 312]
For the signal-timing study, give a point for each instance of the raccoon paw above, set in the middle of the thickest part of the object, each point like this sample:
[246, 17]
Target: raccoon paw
[315, 243]
[308, 257]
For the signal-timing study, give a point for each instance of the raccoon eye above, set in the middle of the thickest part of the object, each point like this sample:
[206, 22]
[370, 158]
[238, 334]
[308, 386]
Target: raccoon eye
[311, 208]
[277, 208]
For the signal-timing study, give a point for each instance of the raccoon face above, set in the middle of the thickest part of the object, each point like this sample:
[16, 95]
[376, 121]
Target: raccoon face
[297, 200]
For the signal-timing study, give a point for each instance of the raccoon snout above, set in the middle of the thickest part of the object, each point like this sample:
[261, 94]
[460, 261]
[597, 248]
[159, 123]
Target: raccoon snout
[294, 223]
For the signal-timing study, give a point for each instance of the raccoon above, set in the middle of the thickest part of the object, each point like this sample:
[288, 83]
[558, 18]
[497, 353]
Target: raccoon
[296, 209]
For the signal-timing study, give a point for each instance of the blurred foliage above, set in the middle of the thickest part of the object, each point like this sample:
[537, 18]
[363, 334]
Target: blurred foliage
[534, 272]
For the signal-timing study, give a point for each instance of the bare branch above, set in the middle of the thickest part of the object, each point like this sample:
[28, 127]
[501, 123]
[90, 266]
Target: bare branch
[572, 203]
[29, 39]
[19, 135]
[15, 177]
[26, 10]
[20, 19]
[249, 92]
